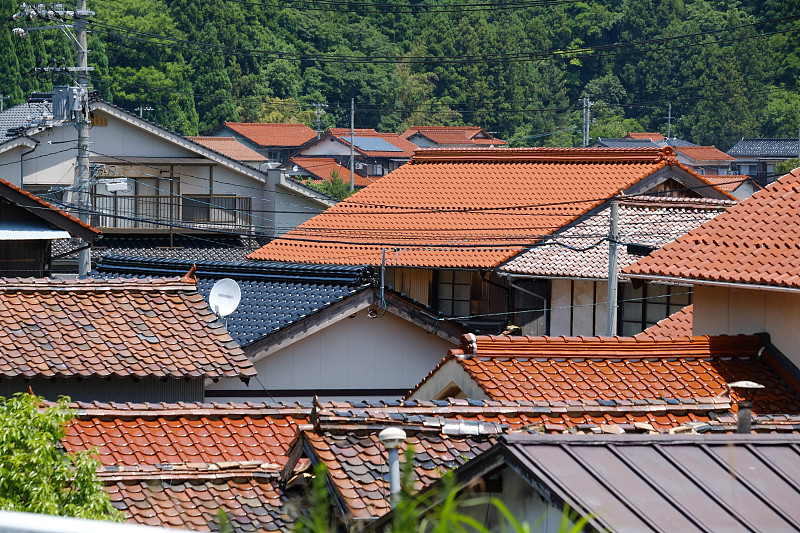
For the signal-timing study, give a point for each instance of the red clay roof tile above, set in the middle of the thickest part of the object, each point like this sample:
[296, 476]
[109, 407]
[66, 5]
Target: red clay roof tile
[454, 135]
[508, 368]
[704, 153]
[110, 327]
[742, 245]
[321, 167]
[230, 147]
[273, 134]
[442, 210]
[676, 325]
[48, 205]
[655, 136]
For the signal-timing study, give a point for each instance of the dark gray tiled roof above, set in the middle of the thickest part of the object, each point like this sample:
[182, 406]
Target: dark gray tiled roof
[13, 119]
[274, 295]
[182, 247]
[786, 147]
[605, 142]
[624, 142]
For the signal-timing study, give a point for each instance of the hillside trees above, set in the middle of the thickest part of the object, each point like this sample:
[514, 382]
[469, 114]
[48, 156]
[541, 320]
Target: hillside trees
[518, 70]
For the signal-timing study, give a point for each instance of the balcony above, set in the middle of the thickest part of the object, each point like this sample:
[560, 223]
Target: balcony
[202, 212]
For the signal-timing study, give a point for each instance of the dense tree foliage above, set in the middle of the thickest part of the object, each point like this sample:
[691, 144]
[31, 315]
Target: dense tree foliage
[36, 475]
[727, 68]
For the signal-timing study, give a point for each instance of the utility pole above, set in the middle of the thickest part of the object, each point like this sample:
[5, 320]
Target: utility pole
[587, 119]
[352, 139]
[73, 102]
[613, 237]
[319, 107]
[82, 177]
[3, 99]
[669, 121]
[141, 110]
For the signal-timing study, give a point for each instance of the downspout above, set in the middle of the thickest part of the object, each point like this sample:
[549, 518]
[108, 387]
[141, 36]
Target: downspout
[21, 171]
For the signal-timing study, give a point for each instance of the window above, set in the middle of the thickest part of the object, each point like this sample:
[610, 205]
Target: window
[453, 292]
[643, 307]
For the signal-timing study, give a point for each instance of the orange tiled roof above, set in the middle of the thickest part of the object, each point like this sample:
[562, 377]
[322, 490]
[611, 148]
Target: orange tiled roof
[726, 182]
[655, 136]
[472, 207]
[162, 437]
[628, 368]
[124, 327]
[675, 325]
[321, 167]
[754, 242]
[456, 135]
[273, 134]
[178, 464]
[48, 205]
[704, 153]
[230, 147]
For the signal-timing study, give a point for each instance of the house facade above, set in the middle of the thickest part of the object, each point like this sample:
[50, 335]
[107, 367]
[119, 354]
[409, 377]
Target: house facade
[743, 267]
[442, 243]
[757, 157]
[274, 141]
[146, 179]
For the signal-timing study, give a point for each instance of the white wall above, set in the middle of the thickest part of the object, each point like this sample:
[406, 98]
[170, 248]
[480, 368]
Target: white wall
[328, 147]
[353, 353]
[734, 311]
[581, 303]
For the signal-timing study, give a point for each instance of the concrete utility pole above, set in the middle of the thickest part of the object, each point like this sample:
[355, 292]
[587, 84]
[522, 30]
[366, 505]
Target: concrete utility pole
[669, 121]
[319, 107]
[70, 104]
[82, 177]
[352, 139]
[613, 237]
[587, 119]
[141, 110]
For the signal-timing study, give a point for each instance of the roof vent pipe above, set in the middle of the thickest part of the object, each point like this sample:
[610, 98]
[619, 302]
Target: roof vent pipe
[392, 439]
[745, 417]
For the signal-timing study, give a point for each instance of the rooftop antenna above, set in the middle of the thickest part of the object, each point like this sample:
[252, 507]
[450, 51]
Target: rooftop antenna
[224, 298]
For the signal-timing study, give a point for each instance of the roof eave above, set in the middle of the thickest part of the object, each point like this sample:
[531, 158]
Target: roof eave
[717, 283]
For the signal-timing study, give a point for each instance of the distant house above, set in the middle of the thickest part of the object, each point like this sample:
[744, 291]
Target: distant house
[314, 330]
[275, 141]
[450, 137]
[740, 186]
[28, 227]
[757, 157]
[375, 154]
[112, 340]
[700, 159]
[743, 266]
[320, 169]
[640, 483]
[146, 179]
[443, 224]
[232, 148]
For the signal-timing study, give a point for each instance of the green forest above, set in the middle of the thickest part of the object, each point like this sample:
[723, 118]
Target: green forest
[712, 71]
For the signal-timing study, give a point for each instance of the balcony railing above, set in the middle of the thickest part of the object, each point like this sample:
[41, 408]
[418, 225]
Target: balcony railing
[162, 212]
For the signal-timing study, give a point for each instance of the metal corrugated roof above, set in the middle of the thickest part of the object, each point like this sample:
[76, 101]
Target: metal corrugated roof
[668, 483]
[12, 230]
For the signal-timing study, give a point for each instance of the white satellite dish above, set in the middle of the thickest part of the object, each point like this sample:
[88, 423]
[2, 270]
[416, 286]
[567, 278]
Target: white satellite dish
[225, 297]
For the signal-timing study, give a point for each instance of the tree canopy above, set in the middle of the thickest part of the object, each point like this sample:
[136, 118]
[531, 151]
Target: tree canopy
[36, 475]
[727, 69]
